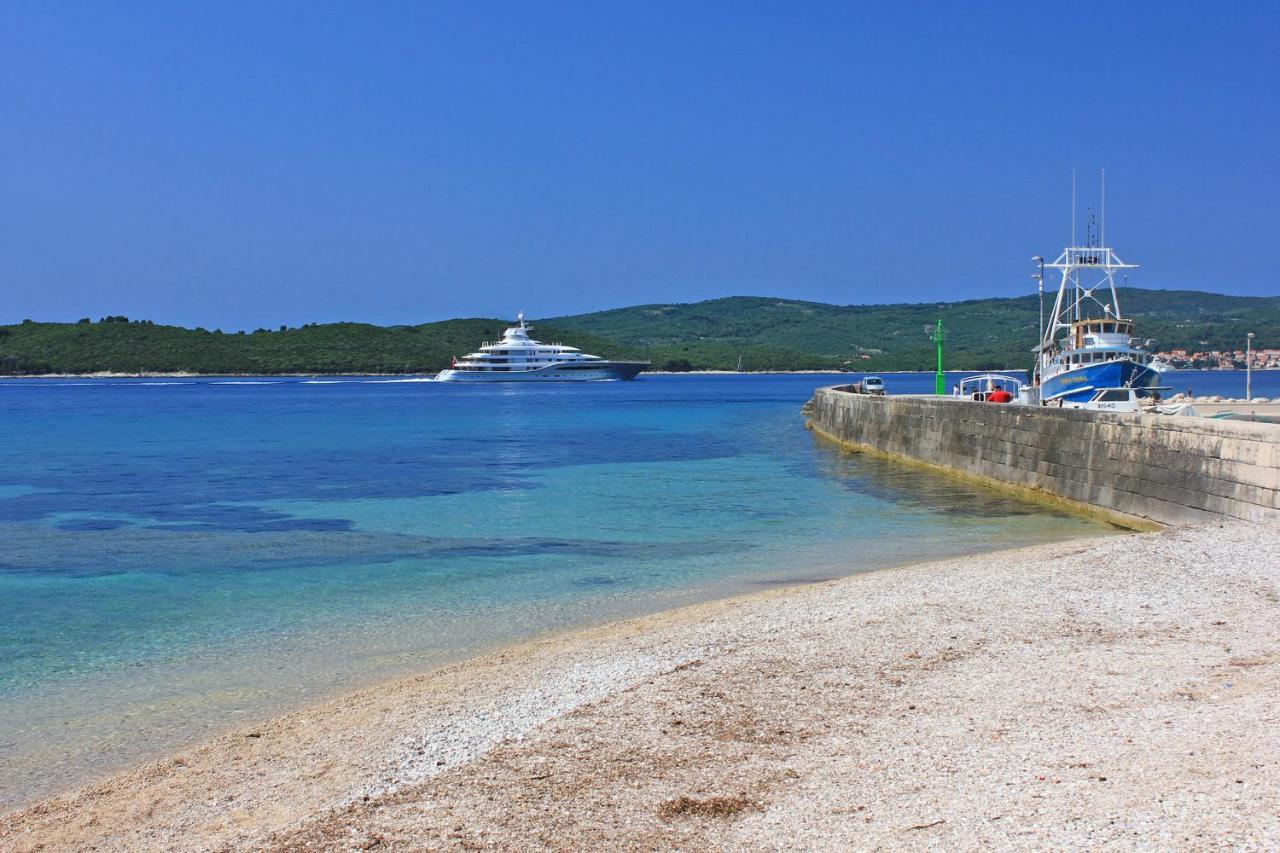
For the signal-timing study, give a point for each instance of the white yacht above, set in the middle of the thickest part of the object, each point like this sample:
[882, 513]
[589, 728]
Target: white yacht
[519, 358]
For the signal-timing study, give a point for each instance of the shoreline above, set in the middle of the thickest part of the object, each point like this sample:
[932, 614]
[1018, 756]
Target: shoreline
[677, 604]
[367, 762]
[106, 374]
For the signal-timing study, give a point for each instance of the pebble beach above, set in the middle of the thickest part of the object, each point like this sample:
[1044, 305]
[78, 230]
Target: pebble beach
[1116, 692]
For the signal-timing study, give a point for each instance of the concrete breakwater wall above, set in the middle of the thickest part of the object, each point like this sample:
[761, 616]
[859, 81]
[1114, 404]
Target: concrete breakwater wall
[1137, 468]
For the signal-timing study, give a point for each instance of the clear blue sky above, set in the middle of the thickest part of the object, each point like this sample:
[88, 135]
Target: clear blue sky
[246, 164]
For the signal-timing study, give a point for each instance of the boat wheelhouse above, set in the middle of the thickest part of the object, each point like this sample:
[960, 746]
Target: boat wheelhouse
[519, 358]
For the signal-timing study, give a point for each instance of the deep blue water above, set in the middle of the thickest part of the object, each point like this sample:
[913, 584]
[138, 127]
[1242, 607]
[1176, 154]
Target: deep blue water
[178, 554]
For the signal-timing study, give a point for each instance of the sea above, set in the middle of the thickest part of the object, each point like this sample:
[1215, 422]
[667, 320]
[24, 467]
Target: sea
[179, 557]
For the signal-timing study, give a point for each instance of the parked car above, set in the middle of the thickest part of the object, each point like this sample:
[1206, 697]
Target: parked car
[872, 385]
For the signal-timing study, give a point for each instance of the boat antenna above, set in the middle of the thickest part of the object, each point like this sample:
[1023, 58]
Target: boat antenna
[1104, 207]
[1073, 207]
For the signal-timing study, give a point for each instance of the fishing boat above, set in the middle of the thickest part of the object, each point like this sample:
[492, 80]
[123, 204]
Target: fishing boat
[519, 358]
[1088, 344]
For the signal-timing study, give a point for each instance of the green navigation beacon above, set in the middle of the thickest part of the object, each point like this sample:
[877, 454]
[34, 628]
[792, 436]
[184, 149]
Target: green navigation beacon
[940, 381]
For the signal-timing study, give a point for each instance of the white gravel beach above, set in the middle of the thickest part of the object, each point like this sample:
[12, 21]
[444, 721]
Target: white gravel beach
[1118, 692]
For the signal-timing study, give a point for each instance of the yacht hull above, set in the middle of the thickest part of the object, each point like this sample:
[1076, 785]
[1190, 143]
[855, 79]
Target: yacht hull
[567, 372]
[1079, 384]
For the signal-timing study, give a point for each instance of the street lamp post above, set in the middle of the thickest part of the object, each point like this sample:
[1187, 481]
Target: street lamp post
[1040, 340]
[1248, 366]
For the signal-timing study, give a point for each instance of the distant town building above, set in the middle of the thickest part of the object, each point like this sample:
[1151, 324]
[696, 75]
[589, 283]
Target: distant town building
[1266, 358]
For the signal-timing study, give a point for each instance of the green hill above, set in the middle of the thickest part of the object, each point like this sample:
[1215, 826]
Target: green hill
[118, 345]
[981, 333]
[766, 333]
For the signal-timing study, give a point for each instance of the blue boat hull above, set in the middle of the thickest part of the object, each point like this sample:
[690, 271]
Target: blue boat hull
[1079, 385]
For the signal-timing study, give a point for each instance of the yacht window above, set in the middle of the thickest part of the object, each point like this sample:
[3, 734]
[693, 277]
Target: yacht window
[1116, 395]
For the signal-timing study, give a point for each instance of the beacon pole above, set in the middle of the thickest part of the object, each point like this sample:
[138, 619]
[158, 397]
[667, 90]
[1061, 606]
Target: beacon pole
[1248, 366]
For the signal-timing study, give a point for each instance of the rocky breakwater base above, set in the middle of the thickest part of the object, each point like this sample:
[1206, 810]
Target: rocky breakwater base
[1140, 470]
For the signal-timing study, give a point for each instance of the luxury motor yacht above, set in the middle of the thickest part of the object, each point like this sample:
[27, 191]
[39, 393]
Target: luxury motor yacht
[519, 358]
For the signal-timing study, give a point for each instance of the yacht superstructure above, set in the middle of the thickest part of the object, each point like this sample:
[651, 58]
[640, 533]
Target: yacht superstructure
[519, 358]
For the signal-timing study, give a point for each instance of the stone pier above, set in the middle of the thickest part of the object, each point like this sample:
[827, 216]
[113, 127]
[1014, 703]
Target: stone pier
[1138, 469]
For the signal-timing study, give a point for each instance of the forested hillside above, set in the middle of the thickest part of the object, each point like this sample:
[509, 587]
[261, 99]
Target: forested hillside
[764, 333]
[119, 345]
[981, 334]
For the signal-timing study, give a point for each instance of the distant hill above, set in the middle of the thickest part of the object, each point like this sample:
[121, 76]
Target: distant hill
[981, 333]
[766, 333]
[118, 345]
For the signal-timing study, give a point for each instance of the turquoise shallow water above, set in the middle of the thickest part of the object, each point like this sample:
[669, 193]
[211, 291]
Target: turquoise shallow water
[182, 555]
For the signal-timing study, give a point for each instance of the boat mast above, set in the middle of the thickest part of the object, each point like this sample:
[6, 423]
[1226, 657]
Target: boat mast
[1084, 271]
[1073, 207]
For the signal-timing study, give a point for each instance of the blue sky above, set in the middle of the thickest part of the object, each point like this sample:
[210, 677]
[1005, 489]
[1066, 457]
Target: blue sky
[251, 164]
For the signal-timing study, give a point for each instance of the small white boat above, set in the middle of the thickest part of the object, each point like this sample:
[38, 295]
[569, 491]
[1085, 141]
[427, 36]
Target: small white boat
[990, 388]
[1129, 400]
[519, 358]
